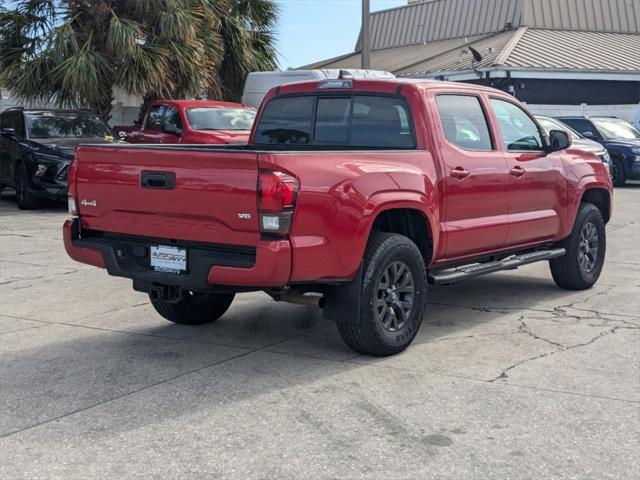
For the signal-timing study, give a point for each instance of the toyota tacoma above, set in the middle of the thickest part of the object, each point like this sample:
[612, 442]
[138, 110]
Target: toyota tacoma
[351, 195]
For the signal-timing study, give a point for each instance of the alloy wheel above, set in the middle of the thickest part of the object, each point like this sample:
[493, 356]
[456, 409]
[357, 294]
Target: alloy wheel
[588, 247]
[395, 296]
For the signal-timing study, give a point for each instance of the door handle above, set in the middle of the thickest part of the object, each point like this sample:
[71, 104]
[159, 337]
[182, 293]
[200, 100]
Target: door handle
[159, 180]
[459, 173]
[517, 171]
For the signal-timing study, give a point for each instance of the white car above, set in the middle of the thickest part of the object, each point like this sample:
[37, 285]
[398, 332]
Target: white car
[259, 83]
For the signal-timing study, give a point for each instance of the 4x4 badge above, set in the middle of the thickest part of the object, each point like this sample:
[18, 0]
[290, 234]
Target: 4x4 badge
[88, 203]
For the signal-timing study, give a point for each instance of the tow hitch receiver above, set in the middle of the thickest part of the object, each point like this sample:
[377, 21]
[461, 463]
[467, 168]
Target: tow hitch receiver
[166, 293]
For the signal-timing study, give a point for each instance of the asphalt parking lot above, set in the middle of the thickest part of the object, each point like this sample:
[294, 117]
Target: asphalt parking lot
[509, 377]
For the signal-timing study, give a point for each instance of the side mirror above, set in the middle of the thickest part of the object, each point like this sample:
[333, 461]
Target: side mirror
[559, 140]
[171, 129]
[8, 133]
[588, 134]
[122, 134]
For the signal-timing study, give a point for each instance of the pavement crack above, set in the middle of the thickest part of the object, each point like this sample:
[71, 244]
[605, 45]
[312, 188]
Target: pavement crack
[524, 328]
[504, 374]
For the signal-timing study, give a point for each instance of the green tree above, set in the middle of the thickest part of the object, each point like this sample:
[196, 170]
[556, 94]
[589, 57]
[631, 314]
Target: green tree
[75, 52]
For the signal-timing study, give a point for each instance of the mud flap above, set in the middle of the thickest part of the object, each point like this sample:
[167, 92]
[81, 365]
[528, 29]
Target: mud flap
[343, 302]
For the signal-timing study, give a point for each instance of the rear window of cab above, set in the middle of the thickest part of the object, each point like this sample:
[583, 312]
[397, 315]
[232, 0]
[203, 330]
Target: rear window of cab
[348, 121]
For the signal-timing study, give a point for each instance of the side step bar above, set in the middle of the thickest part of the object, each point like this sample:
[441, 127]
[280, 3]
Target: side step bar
[453, 275]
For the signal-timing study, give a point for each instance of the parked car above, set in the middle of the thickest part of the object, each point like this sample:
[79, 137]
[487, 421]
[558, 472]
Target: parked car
[619, 137]
[37, 146]
[577, 140]
[258, 84]
[352, 195]
[636, 119]
[194, 121]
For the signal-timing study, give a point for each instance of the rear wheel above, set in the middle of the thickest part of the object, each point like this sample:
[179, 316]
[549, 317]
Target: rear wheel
[393, 297]
[618, 177]
[195, 308]
[581, 265]
[24, 197]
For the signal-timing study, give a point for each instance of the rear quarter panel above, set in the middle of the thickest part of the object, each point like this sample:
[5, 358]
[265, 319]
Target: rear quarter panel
[341, 194]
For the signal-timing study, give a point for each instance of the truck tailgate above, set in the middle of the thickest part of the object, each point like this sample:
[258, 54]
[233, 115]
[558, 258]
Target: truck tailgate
[171, 193]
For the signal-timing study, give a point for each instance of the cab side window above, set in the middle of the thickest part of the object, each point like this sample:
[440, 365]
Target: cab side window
[154, 118]
[464, 122]
[172, 116]
[519, 132]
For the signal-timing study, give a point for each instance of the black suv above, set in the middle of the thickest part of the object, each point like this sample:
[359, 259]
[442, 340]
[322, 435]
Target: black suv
[619, 137]
[37, 146]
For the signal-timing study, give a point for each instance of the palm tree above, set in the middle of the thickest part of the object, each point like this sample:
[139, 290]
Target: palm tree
[75, 52]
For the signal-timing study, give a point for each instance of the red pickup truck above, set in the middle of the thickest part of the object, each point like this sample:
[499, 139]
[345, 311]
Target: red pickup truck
[352, 195]
[194, 121]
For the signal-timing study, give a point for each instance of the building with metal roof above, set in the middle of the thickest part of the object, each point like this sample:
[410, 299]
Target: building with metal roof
[551, 52]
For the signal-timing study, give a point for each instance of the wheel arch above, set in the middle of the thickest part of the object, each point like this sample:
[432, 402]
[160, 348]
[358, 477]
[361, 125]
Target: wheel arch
[407, 216]
[599, 197]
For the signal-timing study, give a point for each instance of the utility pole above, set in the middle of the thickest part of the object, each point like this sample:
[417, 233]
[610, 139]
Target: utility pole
[366, 30]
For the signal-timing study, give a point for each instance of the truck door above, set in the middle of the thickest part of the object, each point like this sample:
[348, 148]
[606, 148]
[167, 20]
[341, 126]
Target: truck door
[151, 128]
[536, 179]
[172, 117]
[475, 177]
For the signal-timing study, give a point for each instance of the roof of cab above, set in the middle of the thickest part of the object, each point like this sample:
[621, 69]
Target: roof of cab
[379, 85]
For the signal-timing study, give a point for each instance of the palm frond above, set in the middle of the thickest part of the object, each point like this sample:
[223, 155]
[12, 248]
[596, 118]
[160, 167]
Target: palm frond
[124, 37]
[80, 76]
[74, 52]
[144, 70]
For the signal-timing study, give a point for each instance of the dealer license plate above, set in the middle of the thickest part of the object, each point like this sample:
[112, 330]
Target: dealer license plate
[169, 259]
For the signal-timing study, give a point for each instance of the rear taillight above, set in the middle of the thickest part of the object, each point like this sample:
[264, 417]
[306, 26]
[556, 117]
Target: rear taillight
[276, 201]
[72, 192]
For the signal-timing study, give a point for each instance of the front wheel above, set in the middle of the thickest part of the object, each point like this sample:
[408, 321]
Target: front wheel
[581, 265]
[618, 177]
[393, 298]
[24, 198]
[194, 308]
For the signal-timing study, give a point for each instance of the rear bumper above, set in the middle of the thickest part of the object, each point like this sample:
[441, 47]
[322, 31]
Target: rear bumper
[208, 266]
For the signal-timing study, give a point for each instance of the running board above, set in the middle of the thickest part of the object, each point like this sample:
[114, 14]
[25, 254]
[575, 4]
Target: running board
[453, 275]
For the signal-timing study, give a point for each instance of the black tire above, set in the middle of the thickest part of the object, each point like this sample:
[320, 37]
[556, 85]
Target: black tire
[24, 198]
[580, 267]
[371, 336]
[195, 308]
[618, 177]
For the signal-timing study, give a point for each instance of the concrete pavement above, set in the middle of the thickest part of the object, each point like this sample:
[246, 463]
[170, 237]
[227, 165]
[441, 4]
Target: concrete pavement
[509, 377]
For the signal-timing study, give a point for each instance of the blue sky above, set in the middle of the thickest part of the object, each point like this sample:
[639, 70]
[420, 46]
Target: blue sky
[311, 30]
